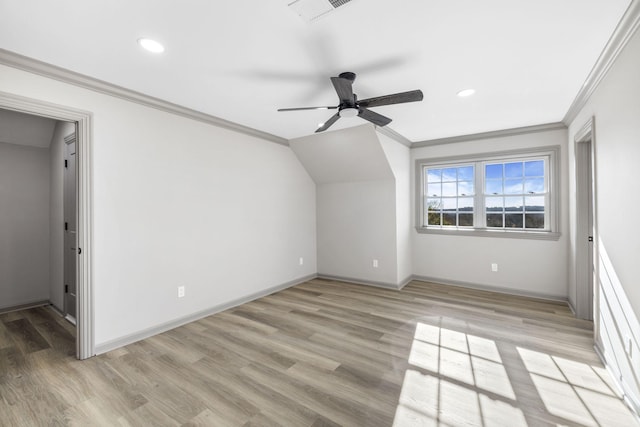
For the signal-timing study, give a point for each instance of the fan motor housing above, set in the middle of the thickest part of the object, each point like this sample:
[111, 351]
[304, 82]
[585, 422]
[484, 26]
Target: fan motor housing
[348, 75]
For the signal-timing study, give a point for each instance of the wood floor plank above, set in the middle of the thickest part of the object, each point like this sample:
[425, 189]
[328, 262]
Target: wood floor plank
[323, 353]
[26, 336]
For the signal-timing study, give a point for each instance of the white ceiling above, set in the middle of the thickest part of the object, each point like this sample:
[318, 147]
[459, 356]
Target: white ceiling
[241, 60]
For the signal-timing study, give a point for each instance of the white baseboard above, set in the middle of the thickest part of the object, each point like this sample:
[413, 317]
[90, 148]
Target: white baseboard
[385, 285]
[155, 330]
[24, 306]
[146, 333]
[405, 282]
[491, 288]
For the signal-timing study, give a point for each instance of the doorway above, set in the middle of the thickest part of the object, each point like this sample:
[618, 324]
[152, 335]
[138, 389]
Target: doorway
[70, 228]
[83, 211]
[585, 222]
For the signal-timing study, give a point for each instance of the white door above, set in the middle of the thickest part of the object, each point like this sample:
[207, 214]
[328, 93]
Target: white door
[70, 228]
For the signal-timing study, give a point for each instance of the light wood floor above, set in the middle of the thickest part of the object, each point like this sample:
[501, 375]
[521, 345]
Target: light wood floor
[322, 354]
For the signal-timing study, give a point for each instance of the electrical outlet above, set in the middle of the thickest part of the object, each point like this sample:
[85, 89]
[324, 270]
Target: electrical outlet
[301, 261]
[494, 267]
[375, 263]
[180, 291]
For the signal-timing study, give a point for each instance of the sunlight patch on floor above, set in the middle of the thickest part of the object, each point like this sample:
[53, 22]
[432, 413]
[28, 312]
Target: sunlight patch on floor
[466, 383]
[576, 391]
[461, 379]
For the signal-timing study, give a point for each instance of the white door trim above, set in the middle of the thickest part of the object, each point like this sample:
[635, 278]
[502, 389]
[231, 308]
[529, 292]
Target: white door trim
[85, 309]
[587, 305]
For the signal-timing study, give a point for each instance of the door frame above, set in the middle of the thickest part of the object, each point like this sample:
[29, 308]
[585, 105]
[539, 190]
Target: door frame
[586, 262]
[85, 343]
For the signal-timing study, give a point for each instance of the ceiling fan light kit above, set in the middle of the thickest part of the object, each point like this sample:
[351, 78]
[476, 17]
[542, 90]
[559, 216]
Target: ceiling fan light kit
[350, 106]
[348, 112]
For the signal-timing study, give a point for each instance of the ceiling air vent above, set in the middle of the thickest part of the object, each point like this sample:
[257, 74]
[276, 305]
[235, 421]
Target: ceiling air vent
[338, 3]
[310, 10]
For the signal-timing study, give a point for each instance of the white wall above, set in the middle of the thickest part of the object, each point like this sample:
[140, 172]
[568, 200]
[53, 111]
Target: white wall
[356, 224]
[615, 106]
[356, 204]
[56, 221]
[180, 202]
[525, 266]
[399, 158]
[24, 224]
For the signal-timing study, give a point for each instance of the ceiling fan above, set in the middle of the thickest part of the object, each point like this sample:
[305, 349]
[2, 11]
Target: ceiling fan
[350, 106]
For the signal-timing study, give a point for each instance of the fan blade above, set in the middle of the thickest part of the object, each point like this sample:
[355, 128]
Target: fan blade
[396, 98]
[326, 125]
[307, 108]
[375, 118]
[344, 89]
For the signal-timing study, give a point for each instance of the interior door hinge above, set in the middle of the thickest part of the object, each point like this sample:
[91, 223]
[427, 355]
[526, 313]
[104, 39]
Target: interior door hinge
[66, 226]
[591, 238]
[65, 163]
[66, 289]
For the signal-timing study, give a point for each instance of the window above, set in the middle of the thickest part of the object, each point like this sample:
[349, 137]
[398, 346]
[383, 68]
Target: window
[511, 192]
[514, 195]
[449, 196]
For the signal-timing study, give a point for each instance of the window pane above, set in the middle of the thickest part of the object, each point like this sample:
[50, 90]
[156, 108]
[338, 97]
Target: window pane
[493, 187]
[465, 220]
[534, 185]
[513, 204]
[449, 204]
[534, 220]
[434, 175]
[465, 188]
[534, 203]
[449, 219]
[449, 174]
[465, 204]
[534, 168]
[434, 204]
[434, 190]
[513, 186]
[513, 170]
[494, 204]
[449, 189]
[493, 171]
[513, 220]
[433, 218]
[465, 173]
[494, 220]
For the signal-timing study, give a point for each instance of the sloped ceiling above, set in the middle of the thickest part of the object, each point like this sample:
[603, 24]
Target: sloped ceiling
[354, 154]
[241, 60]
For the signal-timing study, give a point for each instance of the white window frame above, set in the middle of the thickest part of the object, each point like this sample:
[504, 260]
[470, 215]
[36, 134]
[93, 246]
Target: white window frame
[551, 154]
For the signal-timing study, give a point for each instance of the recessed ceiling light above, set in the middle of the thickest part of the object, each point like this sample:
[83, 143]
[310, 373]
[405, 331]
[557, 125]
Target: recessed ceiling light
[466, 92]
[151, 45]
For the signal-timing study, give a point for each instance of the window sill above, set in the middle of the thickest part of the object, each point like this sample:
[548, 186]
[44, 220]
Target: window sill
[534, 235]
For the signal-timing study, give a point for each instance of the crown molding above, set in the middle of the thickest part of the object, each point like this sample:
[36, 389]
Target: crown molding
[31, 65]
[387, 131]
[492, 134]
[626, 28]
